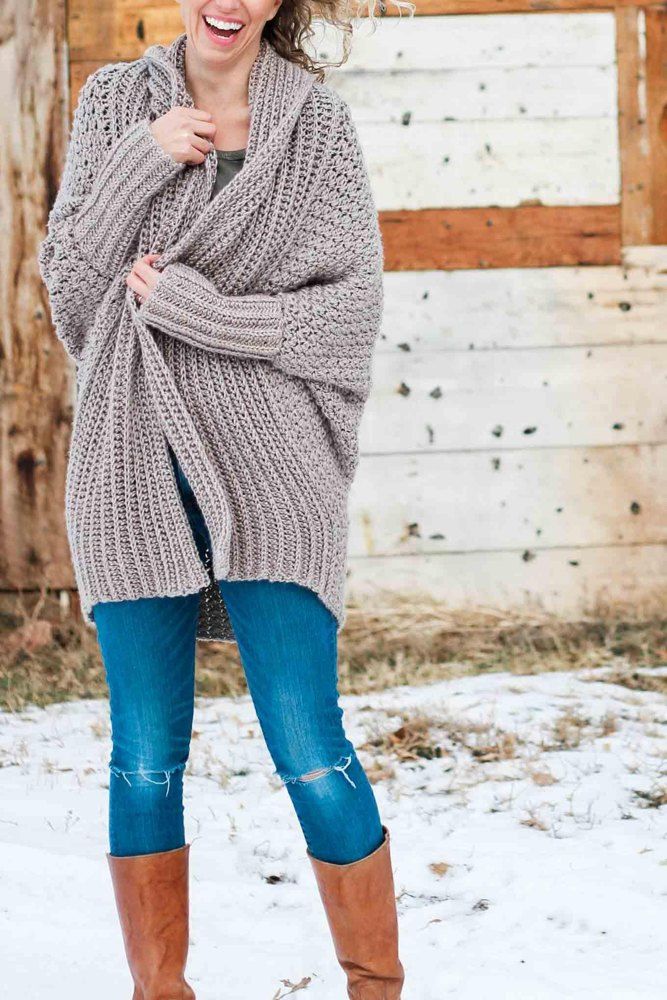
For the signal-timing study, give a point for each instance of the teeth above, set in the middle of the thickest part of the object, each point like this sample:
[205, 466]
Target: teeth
[229, 25]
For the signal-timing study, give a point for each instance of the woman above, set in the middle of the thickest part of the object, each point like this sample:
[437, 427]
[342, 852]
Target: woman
[214, 266]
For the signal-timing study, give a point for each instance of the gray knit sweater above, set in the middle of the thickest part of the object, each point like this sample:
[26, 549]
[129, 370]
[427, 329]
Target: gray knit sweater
[251, 357]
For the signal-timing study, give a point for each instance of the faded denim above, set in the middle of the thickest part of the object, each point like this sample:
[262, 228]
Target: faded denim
[288, 645]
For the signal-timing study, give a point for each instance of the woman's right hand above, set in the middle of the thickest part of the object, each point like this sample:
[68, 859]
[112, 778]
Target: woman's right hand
[186, 134]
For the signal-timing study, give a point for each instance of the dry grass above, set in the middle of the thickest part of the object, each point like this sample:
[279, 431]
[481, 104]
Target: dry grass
[47, 654]
[638, 681]
[570, 729]
[422, 737]
[654, 799]
[414, 740]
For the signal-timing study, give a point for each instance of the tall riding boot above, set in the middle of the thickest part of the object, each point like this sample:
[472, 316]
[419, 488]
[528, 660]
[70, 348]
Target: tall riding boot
[151, 893]
[360, 905]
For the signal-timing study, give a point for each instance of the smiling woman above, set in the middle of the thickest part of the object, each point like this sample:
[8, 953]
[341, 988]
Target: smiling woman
[223, 322]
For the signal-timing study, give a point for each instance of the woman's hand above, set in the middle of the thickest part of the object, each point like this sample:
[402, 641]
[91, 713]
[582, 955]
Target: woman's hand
[185, 133]
[143, 278]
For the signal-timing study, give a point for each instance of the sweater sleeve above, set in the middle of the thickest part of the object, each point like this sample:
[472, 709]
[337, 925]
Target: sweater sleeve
[107, 183]
[322, 331]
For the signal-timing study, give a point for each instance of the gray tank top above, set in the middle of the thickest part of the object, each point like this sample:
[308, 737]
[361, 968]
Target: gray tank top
[230, 162]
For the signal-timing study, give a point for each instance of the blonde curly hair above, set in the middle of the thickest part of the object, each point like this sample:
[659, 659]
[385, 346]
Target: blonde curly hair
[292, 26]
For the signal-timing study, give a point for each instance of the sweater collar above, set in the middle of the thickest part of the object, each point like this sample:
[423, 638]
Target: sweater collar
[276, 85]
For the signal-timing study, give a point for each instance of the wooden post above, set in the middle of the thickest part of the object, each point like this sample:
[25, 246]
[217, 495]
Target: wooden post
[37, 391]
[642, 109]
[656, 116]
[636, 210]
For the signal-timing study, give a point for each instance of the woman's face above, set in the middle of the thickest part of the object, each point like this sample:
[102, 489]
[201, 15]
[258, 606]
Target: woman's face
[211, 24]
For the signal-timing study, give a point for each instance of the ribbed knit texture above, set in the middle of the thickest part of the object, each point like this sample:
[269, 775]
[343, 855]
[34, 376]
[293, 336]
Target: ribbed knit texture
[252, 356]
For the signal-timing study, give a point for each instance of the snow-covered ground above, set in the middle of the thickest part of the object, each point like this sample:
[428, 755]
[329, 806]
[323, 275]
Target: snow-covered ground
[526, 864]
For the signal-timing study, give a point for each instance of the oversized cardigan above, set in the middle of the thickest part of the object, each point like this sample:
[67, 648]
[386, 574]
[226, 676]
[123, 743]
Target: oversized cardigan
[251, 357]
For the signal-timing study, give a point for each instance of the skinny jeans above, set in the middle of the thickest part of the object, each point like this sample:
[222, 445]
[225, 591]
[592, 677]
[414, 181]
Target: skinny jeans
[287, 640]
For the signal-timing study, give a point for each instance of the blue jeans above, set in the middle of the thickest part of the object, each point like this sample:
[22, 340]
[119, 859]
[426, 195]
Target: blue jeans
[287, 641]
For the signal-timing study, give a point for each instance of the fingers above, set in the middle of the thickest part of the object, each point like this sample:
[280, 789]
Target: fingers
[203, 128]
[143, 278]
[203, 145]
[147, 274]
[137, 285]
[197, 113]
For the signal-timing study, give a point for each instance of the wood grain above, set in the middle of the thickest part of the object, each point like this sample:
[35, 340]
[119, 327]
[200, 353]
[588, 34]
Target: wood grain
[495, 499]
[636, 207]
[527, 236]
[36, 385]
[525, 398]
[430, 7]
[656, 115]
[565, 581]
[515, 309]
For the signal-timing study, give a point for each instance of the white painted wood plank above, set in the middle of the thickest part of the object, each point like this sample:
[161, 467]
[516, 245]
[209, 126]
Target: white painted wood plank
[480, 94]
[489, 501]
[469, 164]
[527, 307]
[563, 581]
[465, 41]
[516, 399]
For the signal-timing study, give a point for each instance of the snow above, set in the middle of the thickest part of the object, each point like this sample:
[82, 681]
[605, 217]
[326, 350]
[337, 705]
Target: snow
[535, 877]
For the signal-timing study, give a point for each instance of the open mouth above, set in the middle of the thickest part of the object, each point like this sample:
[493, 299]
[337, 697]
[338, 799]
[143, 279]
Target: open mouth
[221, 29]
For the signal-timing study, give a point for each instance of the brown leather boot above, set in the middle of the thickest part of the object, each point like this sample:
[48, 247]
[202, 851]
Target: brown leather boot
[151, 893]
[360, 905]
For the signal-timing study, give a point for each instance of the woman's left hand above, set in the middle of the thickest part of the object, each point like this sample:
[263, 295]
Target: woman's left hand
[143, 277]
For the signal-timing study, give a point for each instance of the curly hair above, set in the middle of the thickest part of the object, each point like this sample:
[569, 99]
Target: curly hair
[292, 26]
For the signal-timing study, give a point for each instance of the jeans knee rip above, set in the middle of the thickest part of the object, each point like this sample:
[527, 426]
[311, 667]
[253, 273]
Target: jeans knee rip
[146, 775]
[321, 772]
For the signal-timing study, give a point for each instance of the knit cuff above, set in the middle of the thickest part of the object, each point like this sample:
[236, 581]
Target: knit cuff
[135, 169]
[187, 306]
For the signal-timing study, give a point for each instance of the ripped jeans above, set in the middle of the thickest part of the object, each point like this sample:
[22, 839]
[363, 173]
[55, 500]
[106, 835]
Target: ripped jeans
[288, 646]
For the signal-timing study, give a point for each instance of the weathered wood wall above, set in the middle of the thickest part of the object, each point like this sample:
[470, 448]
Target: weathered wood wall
[35, 407]
[513, 448]
[515, 445]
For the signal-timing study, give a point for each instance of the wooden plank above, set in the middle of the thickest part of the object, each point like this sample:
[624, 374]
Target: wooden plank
[36, 384]
[426, 8]
[475, 400]
[656, 115]
[448, 44]
[636, 210]
[529, 307]
[642, 62]
[564, 581]
[479, 93]
[502, 163]
[527, 236]
[514, 499]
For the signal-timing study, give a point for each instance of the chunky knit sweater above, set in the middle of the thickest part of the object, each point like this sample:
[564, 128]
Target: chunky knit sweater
[252, 355]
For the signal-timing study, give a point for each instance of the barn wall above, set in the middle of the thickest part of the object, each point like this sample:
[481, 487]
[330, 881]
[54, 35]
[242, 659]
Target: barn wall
[514, 446]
